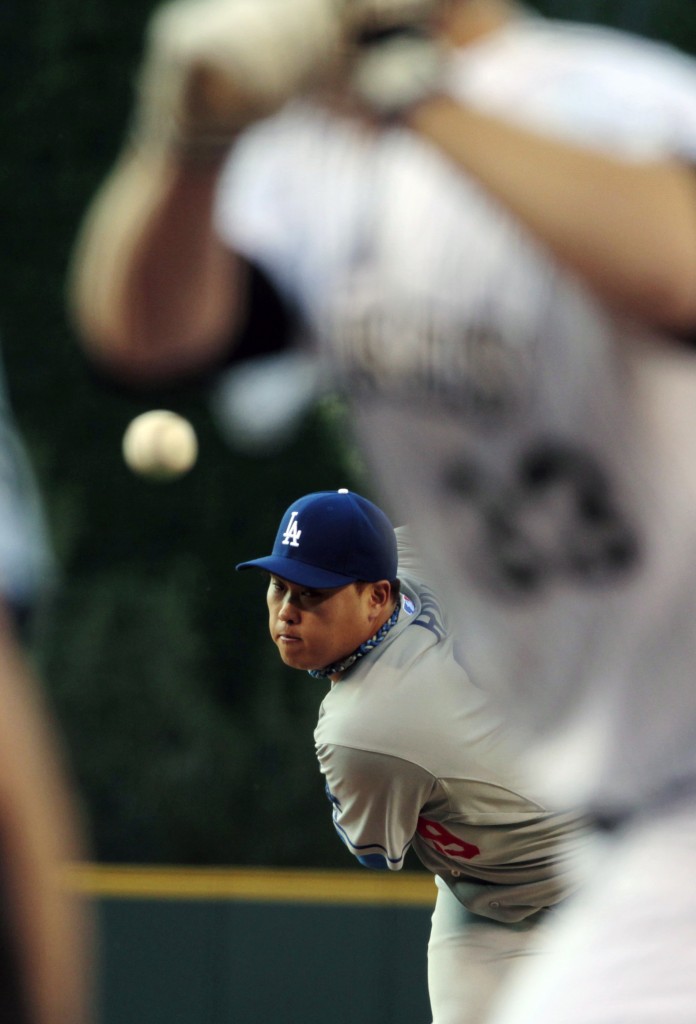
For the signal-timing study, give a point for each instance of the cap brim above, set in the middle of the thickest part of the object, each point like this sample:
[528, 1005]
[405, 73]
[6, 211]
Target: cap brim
[294, 571]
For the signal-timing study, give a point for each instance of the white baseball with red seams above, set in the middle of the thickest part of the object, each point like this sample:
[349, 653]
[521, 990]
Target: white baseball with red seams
[160, 444]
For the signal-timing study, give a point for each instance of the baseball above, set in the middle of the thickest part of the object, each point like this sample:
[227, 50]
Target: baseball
[160, 445]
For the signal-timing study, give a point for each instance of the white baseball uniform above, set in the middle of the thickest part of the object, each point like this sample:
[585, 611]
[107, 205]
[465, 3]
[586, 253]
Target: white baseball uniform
[414, 757]
[538, 442]
[490, 380]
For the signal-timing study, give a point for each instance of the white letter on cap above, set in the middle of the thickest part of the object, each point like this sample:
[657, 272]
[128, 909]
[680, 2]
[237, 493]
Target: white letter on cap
[292, 534]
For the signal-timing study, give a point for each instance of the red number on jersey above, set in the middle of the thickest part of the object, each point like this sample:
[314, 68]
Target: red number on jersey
[443, 840]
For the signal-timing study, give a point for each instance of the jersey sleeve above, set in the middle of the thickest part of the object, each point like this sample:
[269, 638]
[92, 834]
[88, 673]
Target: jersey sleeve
[414, 575]
[411, 565]
[409, 559]
[263, 206]
[376, 800]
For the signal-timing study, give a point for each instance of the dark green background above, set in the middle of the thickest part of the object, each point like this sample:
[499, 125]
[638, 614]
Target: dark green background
[189, 741]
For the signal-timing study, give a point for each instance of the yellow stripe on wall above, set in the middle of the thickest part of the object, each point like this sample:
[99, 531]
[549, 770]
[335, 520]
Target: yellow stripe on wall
[267, 885]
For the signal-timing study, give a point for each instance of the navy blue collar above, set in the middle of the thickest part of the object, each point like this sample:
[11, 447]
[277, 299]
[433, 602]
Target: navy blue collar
[365, 647]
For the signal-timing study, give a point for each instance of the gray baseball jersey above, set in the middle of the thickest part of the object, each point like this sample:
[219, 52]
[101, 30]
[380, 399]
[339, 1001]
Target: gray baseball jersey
[539, 457]
[413, 756]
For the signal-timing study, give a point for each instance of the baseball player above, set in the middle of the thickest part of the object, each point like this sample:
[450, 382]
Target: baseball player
[411, 753]
[498, 260]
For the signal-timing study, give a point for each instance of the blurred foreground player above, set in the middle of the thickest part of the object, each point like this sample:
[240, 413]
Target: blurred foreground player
[45, 931]
[500, 264]
[412, 754]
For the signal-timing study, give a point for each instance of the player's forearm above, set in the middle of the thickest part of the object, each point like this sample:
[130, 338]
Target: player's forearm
[153, 291]
[629, 230]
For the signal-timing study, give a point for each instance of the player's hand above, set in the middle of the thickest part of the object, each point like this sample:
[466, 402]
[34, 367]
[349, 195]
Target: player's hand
[212, 67]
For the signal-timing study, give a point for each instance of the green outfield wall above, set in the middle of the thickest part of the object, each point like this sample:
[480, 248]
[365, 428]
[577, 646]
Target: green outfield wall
[186, 946]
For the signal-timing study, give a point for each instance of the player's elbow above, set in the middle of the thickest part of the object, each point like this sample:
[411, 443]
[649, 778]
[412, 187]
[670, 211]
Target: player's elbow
[136, 358]
[137, 324]
[135, 346]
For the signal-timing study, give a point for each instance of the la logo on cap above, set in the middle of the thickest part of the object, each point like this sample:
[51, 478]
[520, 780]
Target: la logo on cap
[292, 532]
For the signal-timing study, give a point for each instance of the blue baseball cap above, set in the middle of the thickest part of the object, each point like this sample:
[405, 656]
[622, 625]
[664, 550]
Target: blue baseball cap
[330, 539]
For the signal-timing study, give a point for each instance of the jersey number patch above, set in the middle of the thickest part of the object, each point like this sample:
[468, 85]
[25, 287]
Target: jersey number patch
[444, 842]
[556, 517]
